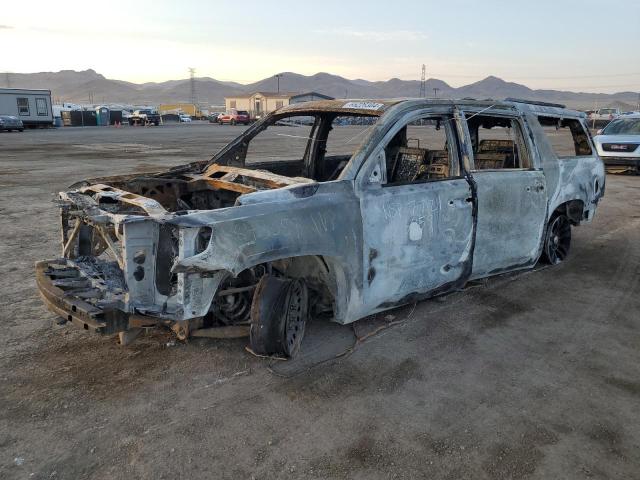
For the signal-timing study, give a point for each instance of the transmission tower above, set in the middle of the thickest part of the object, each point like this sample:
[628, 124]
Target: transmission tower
[192, 81]
[423, 82]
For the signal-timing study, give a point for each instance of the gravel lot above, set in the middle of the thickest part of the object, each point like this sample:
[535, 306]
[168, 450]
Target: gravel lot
[535, 375]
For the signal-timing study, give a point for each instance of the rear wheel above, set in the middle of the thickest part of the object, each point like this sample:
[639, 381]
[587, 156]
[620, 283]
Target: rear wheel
[557, 239]
[279, 313]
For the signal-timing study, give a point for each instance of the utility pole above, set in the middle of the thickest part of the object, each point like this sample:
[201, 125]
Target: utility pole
[8, 79]
[435, 92]
[278, 76]
[423, 82]
[192, 82]
[639, 102]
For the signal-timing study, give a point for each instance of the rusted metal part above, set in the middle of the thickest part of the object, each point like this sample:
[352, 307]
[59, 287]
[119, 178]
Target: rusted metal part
[107, 240]
[150, 206]
[75, 310]
[230, 331]
[129, 336]
[361, 243]
[66, 249]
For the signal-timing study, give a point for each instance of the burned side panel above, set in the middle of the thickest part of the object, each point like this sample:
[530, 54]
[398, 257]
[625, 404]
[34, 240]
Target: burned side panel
[418, 238]
[511, 220]
[283, 224]
[571, 178]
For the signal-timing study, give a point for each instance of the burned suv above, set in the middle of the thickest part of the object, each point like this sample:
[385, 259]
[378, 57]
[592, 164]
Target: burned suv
[335, 209]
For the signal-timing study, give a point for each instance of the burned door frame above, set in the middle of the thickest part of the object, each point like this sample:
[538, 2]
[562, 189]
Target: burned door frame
[418, 236]
[511, 204]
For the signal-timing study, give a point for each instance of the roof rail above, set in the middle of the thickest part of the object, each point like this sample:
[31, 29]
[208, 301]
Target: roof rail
[535, 102]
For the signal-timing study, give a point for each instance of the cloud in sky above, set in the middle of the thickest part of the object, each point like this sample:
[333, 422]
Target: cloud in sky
[391, 35]
[5, 27]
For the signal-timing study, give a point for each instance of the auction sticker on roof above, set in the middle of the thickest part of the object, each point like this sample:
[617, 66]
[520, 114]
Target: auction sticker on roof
[363, 105]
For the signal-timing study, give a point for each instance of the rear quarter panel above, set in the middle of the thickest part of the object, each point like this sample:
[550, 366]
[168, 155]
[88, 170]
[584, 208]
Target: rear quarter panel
[569, 178]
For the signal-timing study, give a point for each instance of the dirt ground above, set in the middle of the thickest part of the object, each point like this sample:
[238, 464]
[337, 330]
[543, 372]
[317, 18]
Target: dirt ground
[535, 375]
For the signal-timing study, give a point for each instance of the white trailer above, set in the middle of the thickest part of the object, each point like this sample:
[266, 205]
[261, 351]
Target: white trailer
[33, 107]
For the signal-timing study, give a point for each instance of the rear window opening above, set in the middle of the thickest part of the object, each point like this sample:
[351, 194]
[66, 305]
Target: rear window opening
[566, 136]
[498, 143]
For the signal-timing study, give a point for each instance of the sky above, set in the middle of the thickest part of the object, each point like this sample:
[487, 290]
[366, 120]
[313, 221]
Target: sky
[561, 44]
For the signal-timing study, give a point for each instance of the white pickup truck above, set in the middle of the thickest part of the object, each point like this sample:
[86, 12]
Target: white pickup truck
[601, 117]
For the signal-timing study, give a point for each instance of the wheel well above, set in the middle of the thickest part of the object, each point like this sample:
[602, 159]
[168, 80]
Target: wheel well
[324, 277]
[573, 209]
[321, 275]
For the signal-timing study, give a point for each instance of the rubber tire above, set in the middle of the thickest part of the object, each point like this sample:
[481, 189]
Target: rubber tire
[21, 129]
[269, 316]
[550, 255]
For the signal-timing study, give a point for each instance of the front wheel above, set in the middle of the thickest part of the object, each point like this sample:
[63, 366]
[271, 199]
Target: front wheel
[557, 239]
[279, 313]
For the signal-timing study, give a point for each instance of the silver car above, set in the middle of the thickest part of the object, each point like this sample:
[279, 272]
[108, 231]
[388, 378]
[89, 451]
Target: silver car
[9, 123]
[375, 204]
[618, 144]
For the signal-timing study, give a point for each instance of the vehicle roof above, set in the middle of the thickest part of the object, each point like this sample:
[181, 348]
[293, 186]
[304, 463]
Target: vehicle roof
[26, 91]
[377, 107]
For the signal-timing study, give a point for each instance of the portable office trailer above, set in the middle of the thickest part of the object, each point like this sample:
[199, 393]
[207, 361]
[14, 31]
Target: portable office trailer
[33, 107]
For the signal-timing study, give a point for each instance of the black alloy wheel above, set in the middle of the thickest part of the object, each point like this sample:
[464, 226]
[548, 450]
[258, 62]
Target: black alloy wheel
[557, 239]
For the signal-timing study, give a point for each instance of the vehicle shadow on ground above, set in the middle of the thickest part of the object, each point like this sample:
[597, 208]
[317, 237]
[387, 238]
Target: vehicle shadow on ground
[326, 341]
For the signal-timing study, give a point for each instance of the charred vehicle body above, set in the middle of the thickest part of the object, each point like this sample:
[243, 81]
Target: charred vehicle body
[429, 195]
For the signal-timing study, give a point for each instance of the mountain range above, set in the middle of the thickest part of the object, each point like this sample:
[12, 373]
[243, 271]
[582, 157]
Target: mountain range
[88, 86]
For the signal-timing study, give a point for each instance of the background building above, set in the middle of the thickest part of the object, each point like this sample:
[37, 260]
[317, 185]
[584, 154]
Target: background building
[33, 107]
[261, 103]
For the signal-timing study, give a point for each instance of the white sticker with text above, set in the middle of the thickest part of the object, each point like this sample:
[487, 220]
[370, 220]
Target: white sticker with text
[363, 105]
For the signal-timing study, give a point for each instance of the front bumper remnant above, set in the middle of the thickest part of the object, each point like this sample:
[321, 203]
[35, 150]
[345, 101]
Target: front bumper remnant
[69, 294]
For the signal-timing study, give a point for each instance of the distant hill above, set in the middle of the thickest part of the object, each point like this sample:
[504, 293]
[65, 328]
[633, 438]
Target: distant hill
[80, 87]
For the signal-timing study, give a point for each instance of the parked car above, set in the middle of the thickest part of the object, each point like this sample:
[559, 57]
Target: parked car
[618, 144]
[603, 116]
[213, 117]
[277, 228]
[182, 118]
[144, 117]
[10, 123]
[234, 117]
